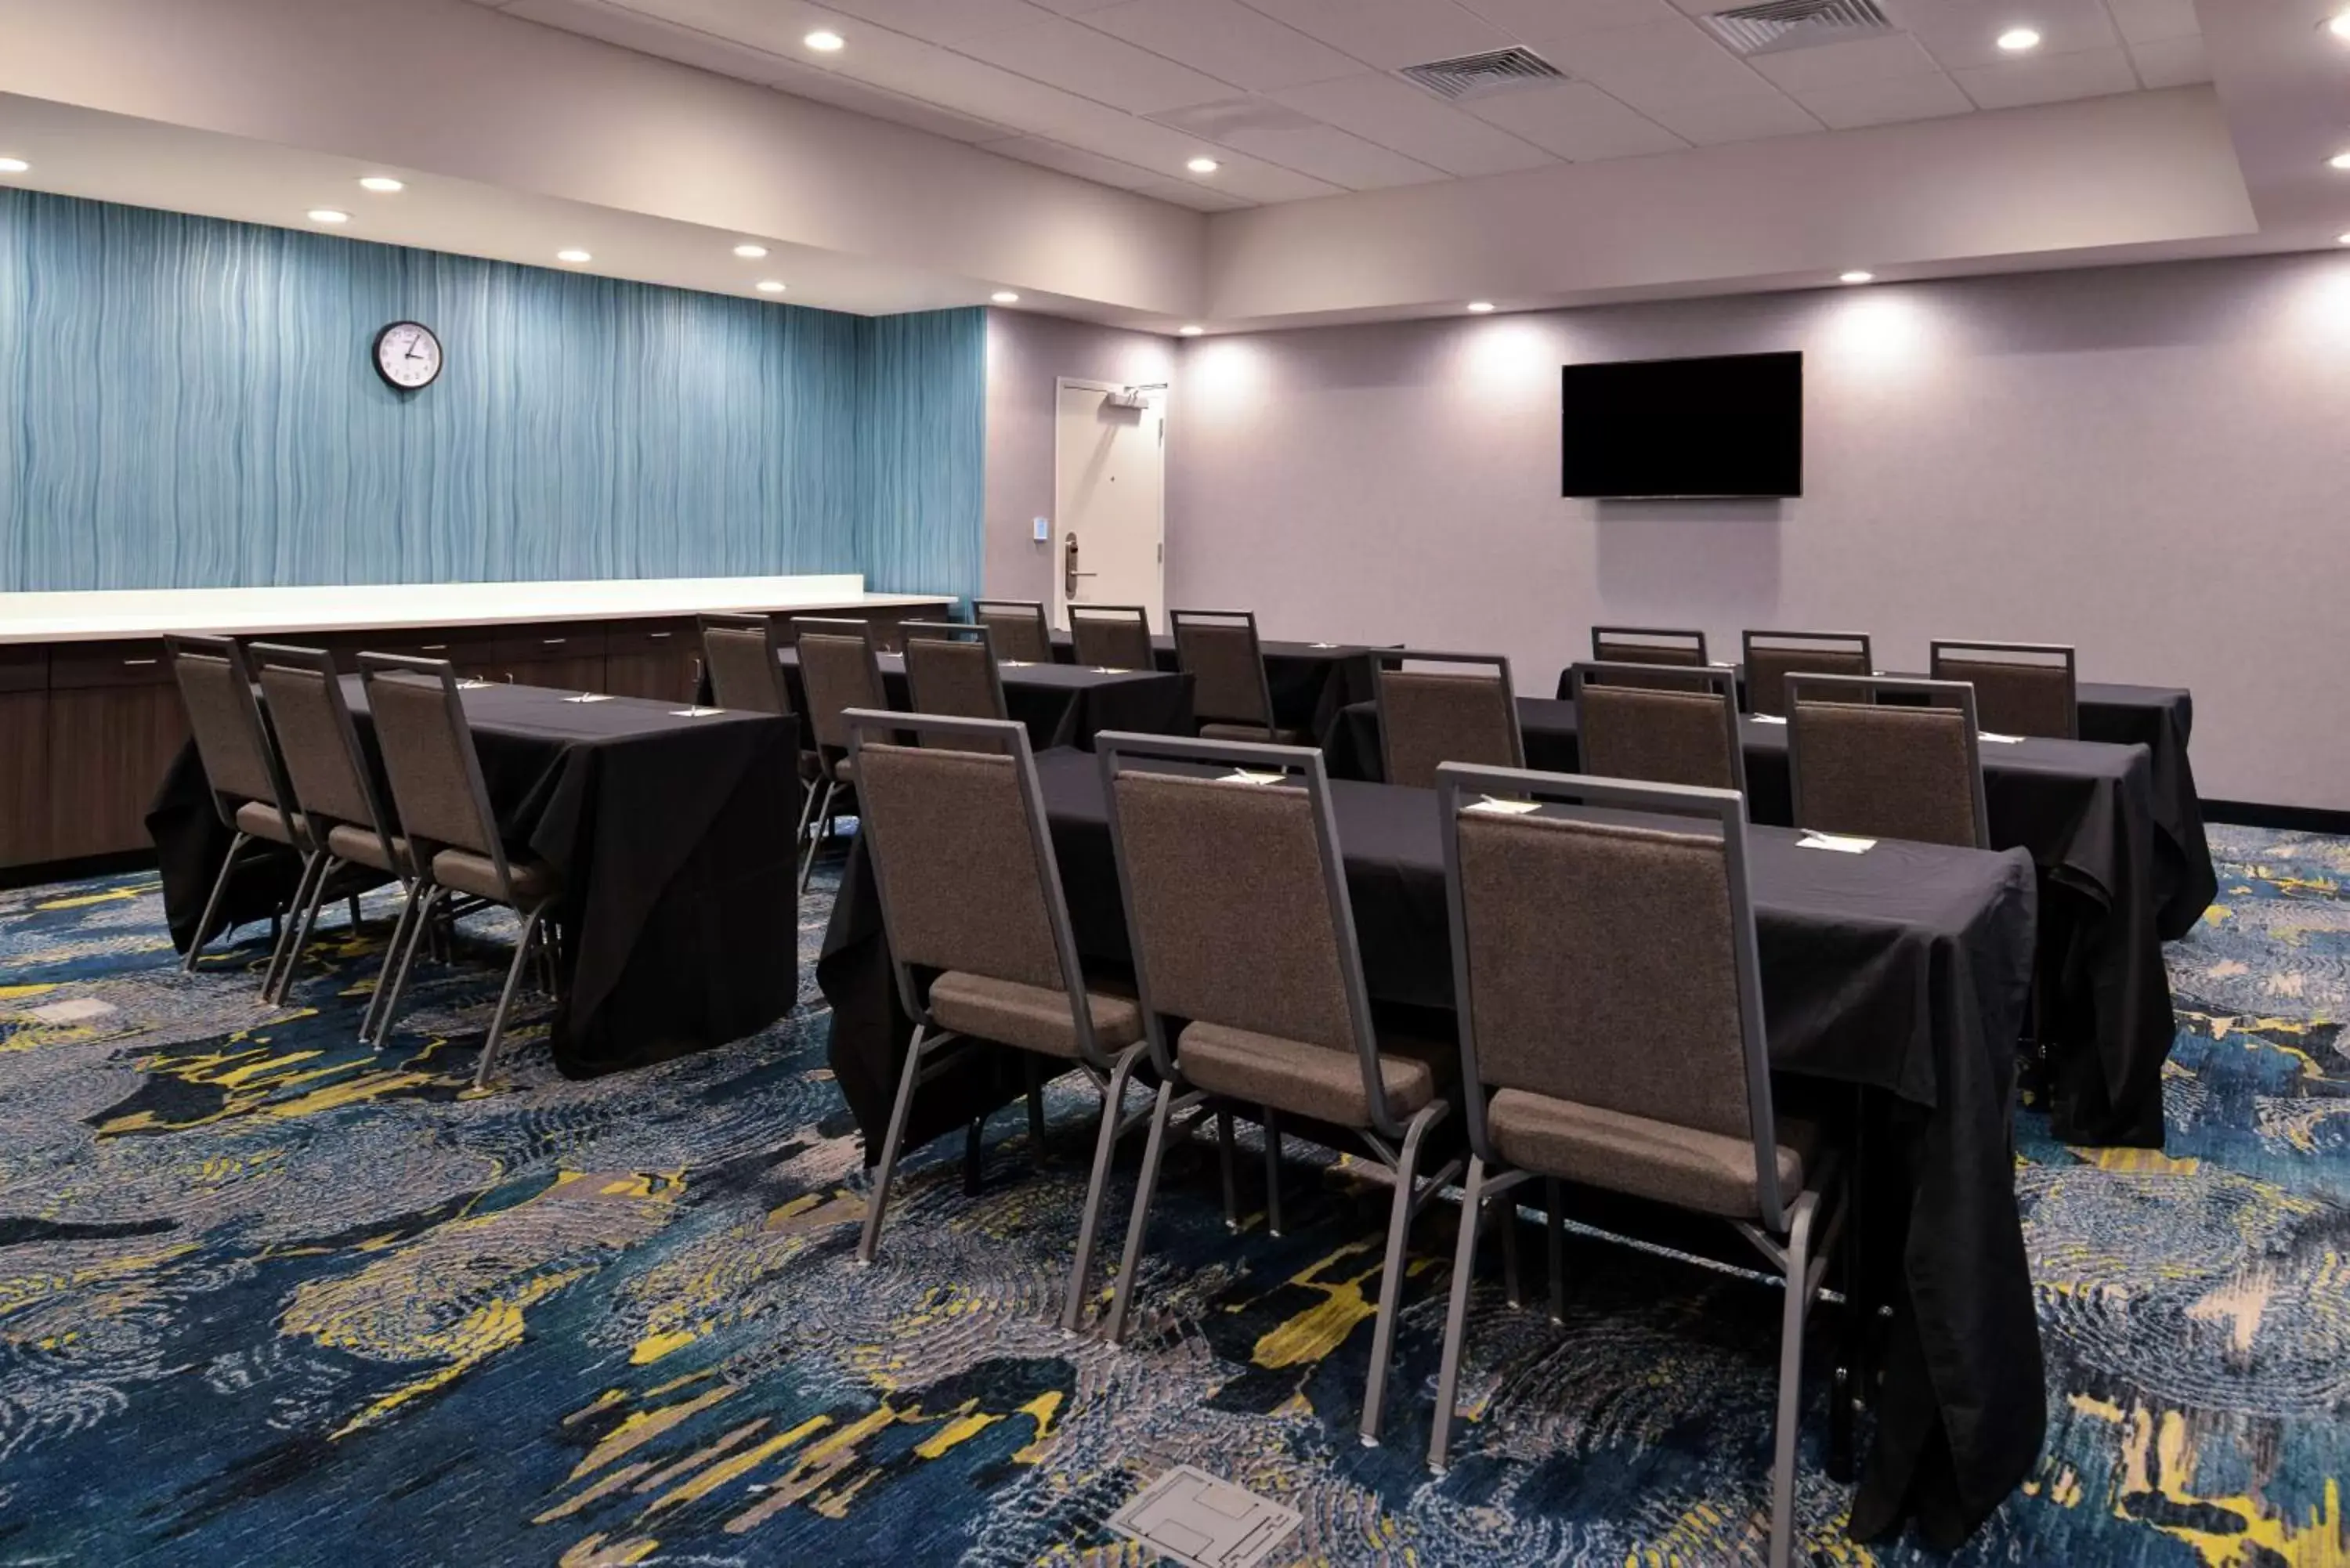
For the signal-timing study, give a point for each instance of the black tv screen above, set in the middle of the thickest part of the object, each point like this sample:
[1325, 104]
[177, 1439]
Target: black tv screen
[1730, 426]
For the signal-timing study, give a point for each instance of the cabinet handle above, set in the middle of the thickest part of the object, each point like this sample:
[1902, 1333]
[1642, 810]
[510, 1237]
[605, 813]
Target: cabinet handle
[658, 636]
[551, 642]
[436, 647]
[134, 663]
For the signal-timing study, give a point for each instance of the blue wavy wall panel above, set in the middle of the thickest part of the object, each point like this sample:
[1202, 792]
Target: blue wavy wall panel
[186, 402]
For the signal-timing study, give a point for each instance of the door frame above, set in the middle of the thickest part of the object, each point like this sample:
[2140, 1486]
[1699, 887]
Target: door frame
[1054, 600]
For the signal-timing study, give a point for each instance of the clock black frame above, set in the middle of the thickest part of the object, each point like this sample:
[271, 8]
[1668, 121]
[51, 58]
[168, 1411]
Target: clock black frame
[375, 356]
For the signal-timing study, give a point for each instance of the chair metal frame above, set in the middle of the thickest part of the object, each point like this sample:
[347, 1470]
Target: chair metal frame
[1394, 1142]
[817, 824]
[2043, 655]
[1870, 691]
[1111, 615]
[934, 1048]
[915, 632]
[1676, 639]
[1385, 660]
[1036, 610]
[1704, 680]
[1223, 620]
[1857, 642]
[536, 924]
[1792, 1235]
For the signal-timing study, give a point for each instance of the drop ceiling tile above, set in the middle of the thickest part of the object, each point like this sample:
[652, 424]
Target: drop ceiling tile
[1725, 120]
[1328, 153]
[1077, 7]
[648, 35]
[1073, 56]
[1960, 33]
[1396, 114]
[2049, 78]
[946, 21]
[2171, 62]
[1189, 194]
[1389, 33]
[958, 83]
[1657, 64]
[1146, 144]
[1839, 65]
[1577, 121]
[1074, 160]
[847, 92]
[778, 28]
[1226, 40]
[1851, 105]
[2147, 21]
[1539, 22]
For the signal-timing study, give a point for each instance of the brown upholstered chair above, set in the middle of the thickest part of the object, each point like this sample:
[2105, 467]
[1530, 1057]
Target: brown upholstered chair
[247, 780]
[979, 935]
[951, 671]
[1646, 645]
[743, 655]
[427, 746]
[2020, 688]
[1017, 628]
[345, 812]
[1112, 637]
[1858, 764]
[1219, 651]
[1611, 1004]
[1771, 656]
[1464, 713]
[840, 669]
[1634, 729]
[1242, 936]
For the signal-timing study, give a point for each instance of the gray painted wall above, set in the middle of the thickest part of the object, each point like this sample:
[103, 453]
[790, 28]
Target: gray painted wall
[2145, 461]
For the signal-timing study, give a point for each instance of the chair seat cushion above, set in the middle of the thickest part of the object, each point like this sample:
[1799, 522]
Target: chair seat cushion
[1032, 1016]
[1212, 730]
[361, 847]
[534, 882]
[1706, 1171]
[261, 820]
[1309, 1080]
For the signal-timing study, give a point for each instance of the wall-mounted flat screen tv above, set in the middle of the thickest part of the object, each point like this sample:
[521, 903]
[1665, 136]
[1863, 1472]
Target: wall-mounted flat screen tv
[1728, 426]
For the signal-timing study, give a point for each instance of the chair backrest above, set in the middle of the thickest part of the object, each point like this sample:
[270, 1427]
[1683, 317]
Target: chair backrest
[232, 739]
[1219, 651]
[1904, 769]
[1633, 729]
[1646, 645]
[1463, 712]
[318, 741]
[1112, 637]
[951, 671]
[744, 656]
[1771, 656]
[1608, 962]
[840, 669]
[1236, 906]
[1017, 628]
[2020, 688]
[427, 745]
[963, 857]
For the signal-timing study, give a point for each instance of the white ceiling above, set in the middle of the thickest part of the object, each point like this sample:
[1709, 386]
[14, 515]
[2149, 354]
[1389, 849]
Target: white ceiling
[1298, 98]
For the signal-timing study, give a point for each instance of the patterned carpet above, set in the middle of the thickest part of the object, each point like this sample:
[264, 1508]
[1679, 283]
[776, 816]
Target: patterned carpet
[267, 1298]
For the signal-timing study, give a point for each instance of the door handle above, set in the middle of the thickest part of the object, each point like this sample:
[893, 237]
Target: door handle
[1070, 573]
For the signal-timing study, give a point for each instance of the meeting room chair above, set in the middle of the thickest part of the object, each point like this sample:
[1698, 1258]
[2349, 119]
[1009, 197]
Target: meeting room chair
[743, 657]
[1017, 628]
[1465, 711]
[1646, 645]
[979, 941]
[1770, 657]
[1626, 727]
[1219, 651]
[951, 671]
[1237, 911]
[1572, 936]
[1112, 637]
[247, 780]
[2020, 688]
[455, 848]
[840, 669]
[343, 809]
[1909, 769]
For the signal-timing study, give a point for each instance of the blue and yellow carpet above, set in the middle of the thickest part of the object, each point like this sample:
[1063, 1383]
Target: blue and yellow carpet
[268, 1298]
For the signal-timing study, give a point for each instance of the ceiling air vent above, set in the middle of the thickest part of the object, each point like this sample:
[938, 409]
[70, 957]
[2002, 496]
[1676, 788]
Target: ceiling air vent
[1777, 26]
[1480, 75]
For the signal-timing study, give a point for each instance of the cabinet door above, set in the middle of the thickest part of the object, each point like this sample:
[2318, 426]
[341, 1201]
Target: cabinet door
[110, 746]
[580, 674]
[651, 659]
[24, 778]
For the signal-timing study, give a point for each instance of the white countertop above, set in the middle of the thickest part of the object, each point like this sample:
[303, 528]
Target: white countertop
[240, 612]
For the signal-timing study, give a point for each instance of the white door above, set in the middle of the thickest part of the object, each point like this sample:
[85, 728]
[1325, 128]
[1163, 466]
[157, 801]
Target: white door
[1110, 524]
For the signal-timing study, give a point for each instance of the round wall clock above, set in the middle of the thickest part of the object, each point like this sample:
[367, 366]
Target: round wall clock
[406, 356]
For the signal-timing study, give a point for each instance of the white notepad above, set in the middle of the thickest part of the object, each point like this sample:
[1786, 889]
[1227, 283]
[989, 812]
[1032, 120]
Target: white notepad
[1768, 718]
[1999, 740]
[693, 712]
[1503, 807]
[1835, 841]
[1242, 775]
[590, 697]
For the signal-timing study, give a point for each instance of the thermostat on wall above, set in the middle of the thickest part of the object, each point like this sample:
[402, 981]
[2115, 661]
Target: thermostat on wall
[1044, 530]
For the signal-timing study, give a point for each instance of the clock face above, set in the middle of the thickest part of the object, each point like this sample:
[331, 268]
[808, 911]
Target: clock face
[408, 355]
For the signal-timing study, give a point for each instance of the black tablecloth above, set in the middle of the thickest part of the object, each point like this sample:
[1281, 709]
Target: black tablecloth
[1903, 970]
[673, 836]
[1059, 704]
[2087, 811]
[1310, 683]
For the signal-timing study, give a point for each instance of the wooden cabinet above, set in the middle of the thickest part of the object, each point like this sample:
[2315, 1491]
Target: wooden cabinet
[24, 777]
[566, 655]
[656, 659]
[114, 726]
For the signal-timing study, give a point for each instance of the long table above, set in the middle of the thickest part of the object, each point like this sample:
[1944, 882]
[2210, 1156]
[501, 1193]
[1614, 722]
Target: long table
[1058, 704]
[1903, 970]
[1310, 683]
[673, 835]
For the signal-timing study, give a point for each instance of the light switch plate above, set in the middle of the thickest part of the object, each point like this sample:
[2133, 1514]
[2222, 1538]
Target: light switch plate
[1044, 530]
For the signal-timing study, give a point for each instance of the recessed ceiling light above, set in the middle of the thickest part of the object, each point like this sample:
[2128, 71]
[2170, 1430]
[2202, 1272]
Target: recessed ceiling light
[1203, 166]
[576, 257]
[13, 166]
[329, 215]
[2339, 26]
[1480, 307]
[382, 184]
[1190, 331]
[1004, 297]
[1856, 275]
[2339, 160]
[2343, 239]
[824, 41]
[769, 286]
[750, 253]
[2016, 40]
